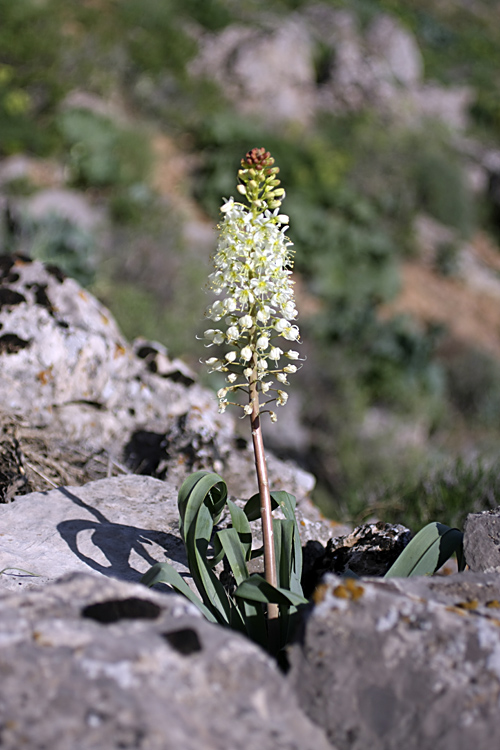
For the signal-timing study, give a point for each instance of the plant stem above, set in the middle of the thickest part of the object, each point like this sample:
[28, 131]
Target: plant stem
[265, 500]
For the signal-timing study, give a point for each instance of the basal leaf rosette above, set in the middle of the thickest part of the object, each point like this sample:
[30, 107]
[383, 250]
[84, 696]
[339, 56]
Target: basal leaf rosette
[255, 312]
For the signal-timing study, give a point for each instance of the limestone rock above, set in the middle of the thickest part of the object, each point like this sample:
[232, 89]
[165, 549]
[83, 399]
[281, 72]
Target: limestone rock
[267, 72]
[76, 394]
[403, 662]
[368, 550]
[482, 541]
[116, 527]
[391, 44]
[90, 663]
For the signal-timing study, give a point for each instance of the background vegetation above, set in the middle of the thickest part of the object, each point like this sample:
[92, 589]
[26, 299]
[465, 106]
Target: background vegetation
[354, 186]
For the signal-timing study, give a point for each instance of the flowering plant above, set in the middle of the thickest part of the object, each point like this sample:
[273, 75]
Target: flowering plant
[252, 276]
[254, 313]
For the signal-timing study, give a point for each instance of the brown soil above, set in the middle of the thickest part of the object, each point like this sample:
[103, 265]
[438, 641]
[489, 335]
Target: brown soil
[471, 314]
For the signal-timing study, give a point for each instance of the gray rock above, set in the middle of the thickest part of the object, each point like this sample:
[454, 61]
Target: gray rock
[368, 550]
[78, 392]
[65, 203]
[482, 541]
[93, 664]
[391, 44]
[266, 72]
[403, 662]
[115, 527]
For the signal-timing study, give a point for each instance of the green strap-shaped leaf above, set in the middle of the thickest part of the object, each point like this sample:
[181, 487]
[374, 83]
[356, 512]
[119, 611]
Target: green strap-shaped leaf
[427, 551]
[234, 551]
[242, 526]
[201, 500]
[200, 488]
[257, 589]
[166, 573]
[252, 507]
[287, 503]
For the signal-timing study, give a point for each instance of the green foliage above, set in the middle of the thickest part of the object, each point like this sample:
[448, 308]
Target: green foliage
[473, 384]
[57, 240]
[441, 188]
[102, 153]
[449, 493]
[30, 49]
[239, 605]
[428, 551]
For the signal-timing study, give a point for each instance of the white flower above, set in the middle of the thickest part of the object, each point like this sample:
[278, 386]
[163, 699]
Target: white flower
[248, 409]
[215, 336]
[275, 353]
[291, 333]
[263, 314]
[273, 416]
[281, 325]
[246, 321]
[262, 342]
[282, 398]
[252, 279]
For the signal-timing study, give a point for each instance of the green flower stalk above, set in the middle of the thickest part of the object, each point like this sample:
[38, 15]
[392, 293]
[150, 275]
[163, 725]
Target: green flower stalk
[255, 313]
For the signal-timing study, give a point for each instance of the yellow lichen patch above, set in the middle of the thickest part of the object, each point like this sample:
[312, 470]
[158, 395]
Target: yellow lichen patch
[45, 375]
[349, 590]
[471, 604]
[119, 351]
[319, 593]
[493, 604]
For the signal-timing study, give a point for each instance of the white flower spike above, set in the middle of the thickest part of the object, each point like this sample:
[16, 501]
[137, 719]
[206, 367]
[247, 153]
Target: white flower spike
[251, 278]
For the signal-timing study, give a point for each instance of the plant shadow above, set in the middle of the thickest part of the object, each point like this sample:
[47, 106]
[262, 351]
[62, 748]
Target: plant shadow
[117, 543]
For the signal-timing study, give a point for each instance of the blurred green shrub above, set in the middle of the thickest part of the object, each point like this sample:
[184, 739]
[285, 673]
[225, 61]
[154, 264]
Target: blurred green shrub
[30, 54]
[56, 240]
[103, 153]
[440, 185]
[473, 384]
[450, 493]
